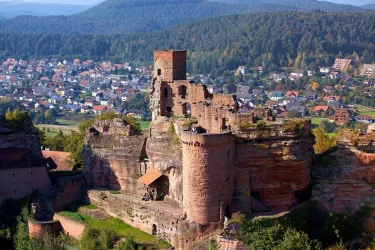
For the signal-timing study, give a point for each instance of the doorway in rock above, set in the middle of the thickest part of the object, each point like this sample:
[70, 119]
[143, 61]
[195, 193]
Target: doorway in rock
[227, 213]
[162, 187]
[154, 229]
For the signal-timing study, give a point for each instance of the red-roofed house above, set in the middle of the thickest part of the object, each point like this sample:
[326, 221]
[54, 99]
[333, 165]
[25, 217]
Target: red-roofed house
[99, 109]
[363, 119]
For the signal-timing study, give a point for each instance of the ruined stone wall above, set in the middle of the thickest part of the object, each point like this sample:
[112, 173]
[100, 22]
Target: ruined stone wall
[68, 190]
[70, 227]
[18, 183]
[113, 161]
[207, 175]
[38, 228]
[216, 119]
[178, 95]
[223, 100]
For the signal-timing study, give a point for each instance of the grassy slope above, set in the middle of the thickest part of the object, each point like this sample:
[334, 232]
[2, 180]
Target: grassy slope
[121, 229]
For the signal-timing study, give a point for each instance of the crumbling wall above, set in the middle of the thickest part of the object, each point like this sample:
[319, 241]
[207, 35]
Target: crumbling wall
[207, 175]
[69, 226]
[67, 190]
[38, 228]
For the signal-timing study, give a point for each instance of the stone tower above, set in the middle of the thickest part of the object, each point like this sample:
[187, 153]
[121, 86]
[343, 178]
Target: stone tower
[170, 65]
[208, 166]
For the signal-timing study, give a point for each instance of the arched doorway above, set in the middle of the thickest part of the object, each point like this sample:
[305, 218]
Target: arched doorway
[154, 229]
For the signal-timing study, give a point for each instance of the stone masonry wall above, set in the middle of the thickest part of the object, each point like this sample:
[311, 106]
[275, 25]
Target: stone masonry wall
[70, 227]
[207, 175]
[18, 183]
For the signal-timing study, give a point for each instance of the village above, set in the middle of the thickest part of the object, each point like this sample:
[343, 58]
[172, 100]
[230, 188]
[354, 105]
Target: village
[339, 94]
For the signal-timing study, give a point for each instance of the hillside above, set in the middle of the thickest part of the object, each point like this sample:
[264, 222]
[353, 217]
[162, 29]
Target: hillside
[10, 9]
[300, 4]
[299, 39]
[129, 16]
[368, 6]
[132, 16]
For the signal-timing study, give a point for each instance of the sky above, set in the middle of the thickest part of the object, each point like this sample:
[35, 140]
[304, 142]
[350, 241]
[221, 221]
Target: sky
[91, 2]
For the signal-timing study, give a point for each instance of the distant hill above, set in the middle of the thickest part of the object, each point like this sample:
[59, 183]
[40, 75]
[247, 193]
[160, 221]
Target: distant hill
[131, 16]
[368, 6]
[11, 9]
[300, 4]
[300, 39]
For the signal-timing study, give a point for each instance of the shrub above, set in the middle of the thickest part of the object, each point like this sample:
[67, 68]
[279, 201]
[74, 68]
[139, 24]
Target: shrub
[342, 226]
[294, 126]
[95, 239]
[213, 245]
[294, 240]
[237, 218]
[128, 244]
[15, 119]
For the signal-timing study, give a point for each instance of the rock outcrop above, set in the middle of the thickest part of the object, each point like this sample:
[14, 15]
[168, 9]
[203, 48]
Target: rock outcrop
[344, 178]
[22, 169]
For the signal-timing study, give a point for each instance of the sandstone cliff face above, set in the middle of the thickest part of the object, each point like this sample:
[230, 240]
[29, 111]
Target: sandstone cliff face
[113, 161]
[165, 154]
[343, 179]
[277, 171]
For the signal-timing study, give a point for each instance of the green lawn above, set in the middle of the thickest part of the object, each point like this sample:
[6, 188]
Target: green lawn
[144, 125]
[363, 111]
[121, 229]
[63, 122]
[316, 121]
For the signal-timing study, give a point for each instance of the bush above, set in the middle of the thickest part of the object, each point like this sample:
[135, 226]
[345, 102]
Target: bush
[295, 126]
[95, 239]
[262, 234]
[15, 119]
[294, 240]
[237, 218]
[129, 244]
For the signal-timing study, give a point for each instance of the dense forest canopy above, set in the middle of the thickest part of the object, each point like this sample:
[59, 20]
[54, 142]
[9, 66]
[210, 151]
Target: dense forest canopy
[301, 4]
[300, 39]
[9, 9]
[129, 16]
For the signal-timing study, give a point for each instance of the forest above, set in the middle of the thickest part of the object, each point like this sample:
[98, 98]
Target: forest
[134, 16]
[130, 16]
[295, 39]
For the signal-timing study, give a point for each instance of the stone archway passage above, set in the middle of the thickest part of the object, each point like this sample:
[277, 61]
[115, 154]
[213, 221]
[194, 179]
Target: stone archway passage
[154, 229]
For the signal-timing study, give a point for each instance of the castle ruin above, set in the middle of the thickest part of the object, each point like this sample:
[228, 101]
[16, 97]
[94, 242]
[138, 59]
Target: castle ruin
[201, 158]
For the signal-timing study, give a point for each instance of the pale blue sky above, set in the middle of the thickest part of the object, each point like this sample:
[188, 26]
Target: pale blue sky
[90, 2]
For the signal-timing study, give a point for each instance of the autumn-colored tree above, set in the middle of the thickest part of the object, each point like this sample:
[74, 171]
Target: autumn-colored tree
[323, 142]
[314, 86]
